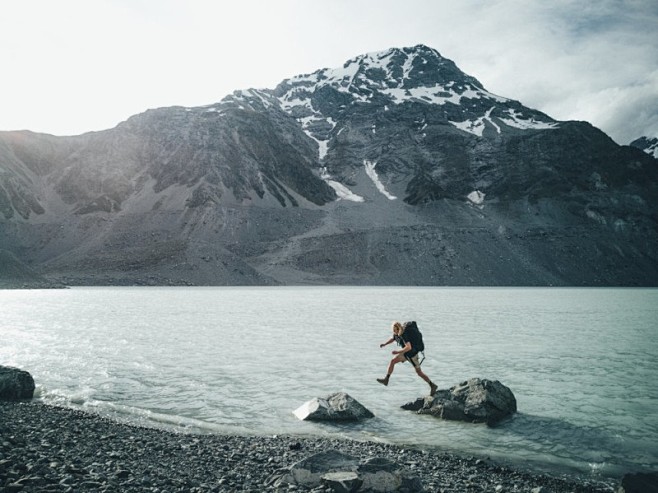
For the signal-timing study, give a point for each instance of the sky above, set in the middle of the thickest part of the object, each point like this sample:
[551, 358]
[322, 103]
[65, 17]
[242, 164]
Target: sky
[72, 66]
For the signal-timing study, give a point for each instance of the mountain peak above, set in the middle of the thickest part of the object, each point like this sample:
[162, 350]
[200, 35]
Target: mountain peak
[398, 76]
[390, 70]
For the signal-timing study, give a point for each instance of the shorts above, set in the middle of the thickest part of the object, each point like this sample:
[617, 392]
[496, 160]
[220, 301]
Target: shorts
[413, 360]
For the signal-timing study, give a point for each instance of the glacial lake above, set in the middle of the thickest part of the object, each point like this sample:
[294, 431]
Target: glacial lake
[582, 363]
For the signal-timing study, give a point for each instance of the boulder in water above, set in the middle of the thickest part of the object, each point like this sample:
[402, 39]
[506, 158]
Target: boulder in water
[15, 384]
[476, 400]
[335, 407]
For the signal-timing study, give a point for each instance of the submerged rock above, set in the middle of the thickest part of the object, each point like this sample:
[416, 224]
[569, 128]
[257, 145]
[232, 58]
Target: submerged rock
[335, 407]
[15, 384]
[476, 400]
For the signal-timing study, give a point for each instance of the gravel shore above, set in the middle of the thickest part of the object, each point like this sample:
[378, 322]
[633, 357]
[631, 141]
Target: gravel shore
[50, 449]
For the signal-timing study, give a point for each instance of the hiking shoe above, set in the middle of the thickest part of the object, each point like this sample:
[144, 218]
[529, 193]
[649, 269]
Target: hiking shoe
[433, 389]
[383, 381]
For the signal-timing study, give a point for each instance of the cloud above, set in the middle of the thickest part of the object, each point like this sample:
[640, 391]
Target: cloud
[74, 65]
[573, 60]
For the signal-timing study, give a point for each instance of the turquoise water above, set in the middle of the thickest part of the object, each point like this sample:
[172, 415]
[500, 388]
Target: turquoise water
[581, 362]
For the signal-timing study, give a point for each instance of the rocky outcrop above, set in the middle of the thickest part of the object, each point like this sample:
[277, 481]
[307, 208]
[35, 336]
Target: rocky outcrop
[15, 384]
[647, 144]
[343, 473]
[335, 407]
[475, 400]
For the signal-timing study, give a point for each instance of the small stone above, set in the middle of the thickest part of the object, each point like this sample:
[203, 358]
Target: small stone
[67, 480]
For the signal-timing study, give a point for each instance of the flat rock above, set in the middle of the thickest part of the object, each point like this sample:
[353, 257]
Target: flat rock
[310, 471]
[342, 482]
[335, 407]
[344, 473]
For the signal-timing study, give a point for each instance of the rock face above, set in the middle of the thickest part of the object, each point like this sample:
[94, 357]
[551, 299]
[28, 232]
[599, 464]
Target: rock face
[476, 400]
[344, 473]
[335, 407]
[396, 168]
[15, 384]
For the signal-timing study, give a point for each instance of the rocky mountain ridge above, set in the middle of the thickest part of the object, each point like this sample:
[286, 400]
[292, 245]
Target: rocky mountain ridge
[396, 168]
[647, 144]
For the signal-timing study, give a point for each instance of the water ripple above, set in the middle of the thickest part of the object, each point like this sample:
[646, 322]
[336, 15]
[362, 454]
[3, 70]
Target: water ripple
[581, 362]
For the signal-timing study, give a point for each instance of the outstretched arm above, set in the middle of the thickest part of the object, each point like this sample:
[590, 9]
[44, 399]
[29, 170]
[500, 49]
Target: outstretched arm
[387, 342]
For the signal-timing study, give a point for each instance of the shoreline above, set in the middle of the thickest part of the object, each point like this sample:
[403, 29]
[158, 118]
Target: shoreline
[55, 449]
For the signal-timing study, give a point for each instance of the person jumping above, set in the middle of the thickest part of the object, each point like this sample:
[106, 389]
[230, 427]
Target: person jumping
[411, 343]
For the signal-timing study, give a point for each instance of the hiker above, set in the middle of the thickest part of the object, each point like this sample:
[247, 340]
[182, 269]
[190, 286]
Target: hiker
[411, 345]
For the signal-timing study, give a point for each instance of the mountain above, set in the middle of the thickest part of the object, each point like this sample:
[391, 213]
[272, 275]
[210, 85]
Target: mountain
[396, 168]
[647, 144]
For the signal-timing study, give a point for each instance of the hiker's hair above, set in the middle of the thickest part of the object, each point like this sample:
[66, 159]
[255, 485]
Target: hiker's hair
[398, 328]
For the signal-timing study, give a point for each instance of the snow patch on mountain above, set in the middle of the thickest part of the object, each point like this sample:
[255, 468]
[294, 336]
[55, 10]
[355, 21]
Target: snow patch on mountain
[653, 150]
[372, 174]
[309, 122]
[436, 94]
[341, 190]
[516, 120]
[261, 96]
[477, 126]
[476, 197]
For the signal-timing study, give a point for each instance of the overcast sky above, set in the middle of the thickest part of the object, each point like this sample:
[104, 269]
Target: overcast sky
[71, 66]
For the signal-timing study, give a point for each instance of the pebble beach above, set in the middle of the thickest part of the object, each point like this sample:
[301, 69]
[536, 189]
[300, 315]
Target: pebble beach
[50, 449]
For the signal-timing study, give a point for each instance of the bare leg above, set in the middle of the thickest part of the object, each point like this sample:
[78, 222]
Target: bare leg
[422, 375]
[391, 367]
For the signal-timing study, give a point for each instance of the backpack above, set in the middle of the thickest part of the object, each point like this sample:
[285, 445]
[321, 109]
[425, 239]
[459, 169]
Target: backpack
[413, 335]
